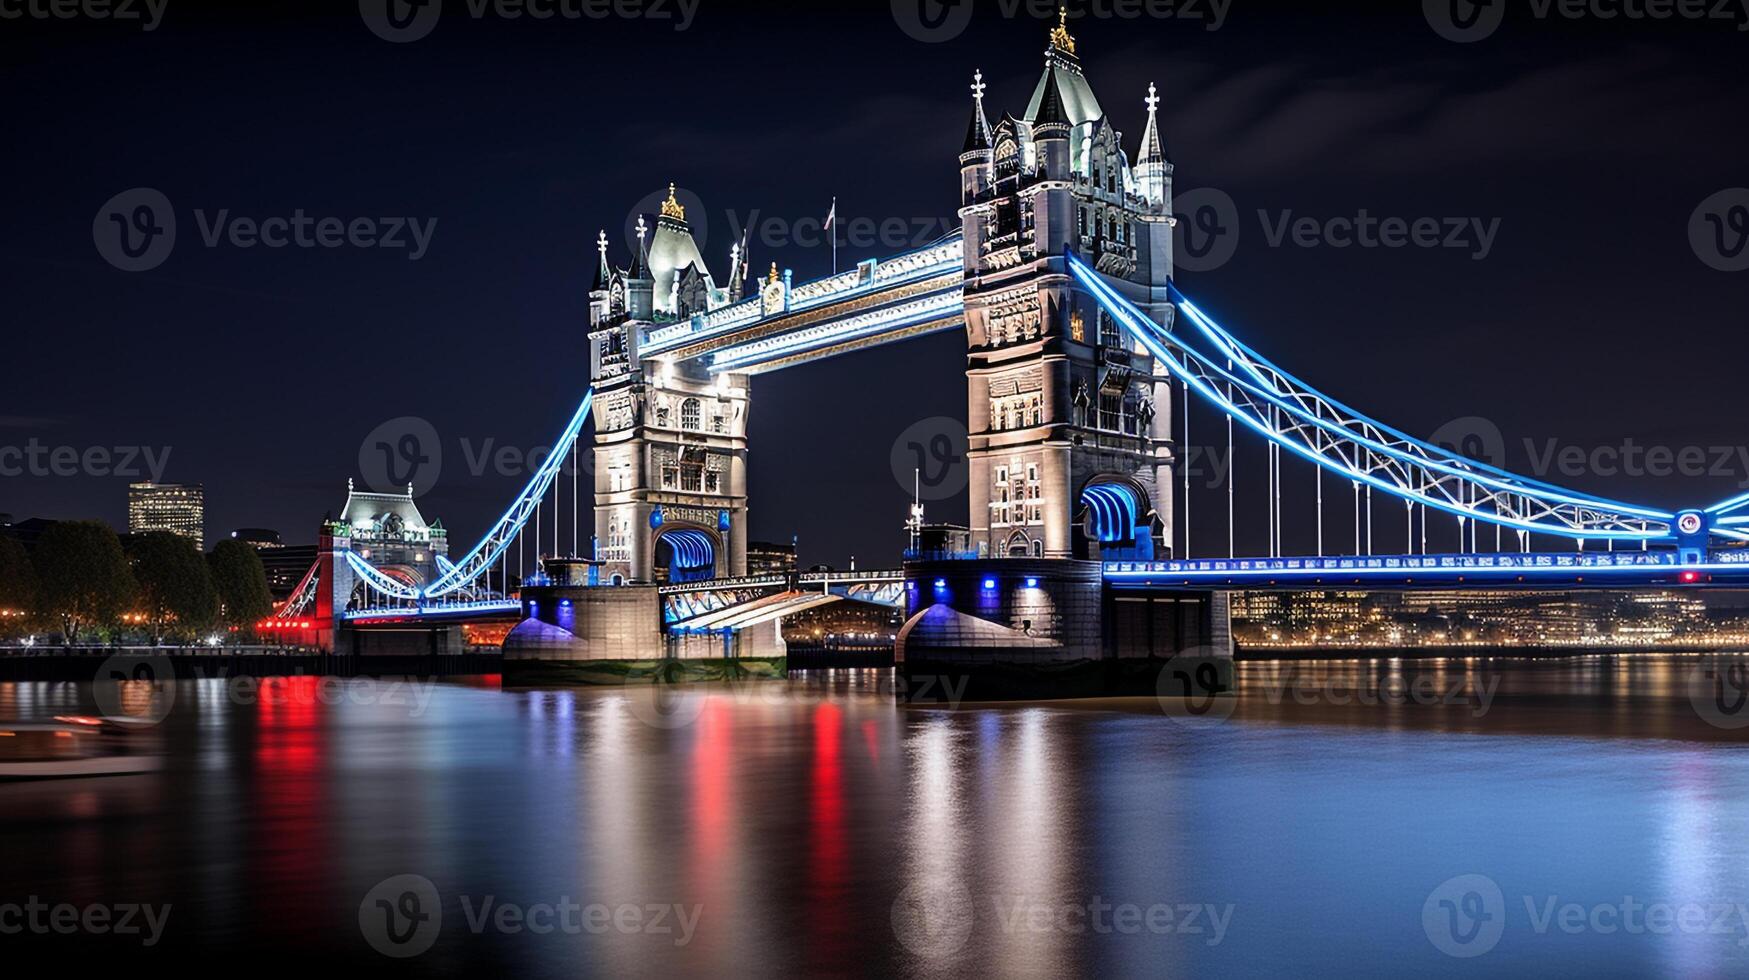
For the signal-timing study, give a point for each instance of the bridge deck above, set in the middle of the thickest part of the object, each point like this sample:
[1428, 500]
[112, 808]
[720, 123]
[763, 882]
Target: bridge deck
[1600, 570]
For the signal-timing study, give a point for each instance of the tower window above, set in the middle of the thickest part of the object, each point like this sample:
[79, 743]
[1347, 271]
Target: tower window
[689, 414]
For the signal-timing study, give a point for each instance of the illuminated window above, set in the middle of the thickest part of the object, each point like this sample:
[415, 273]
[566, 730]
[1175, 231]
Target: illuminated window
[1077, 328]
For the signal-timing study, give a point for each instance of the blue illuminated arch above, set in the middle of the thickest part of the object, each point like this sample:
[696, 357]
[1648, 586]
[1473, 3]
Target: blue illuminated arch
[1114, 511]
[692, 554]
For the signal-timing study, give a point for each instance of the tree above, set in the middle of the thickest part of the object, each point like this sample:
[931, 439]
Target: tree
[176, 587]
[241, 583]
[82, 576]
[17, 583]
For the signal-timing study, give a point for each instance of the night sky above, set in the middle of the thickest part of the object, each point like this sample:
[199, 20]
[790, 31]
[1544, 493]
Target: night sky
[1592, 319]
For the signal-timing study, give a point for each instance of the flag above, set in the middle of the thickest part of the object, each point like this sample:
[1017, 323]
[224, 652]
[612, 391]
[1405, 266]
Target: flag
[831, 216]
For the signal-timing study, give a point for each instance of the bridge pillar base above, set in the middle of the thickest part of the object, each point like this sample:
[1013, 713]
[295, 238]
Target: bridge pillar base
[612, 634]
[1010, 628]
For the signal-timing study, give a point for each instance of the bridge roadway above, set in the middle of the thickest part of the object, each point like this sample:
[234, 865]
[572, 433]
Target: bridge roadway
[736, 603]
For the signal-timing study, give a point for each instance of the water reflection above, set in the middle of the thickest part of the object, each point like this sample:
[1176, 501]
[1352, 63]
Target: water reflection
[817, 826]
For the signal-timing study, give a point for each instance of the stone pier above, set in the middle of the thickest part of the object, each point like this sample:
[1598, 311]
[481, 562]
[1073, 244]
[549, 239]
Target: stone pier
[1052, 628]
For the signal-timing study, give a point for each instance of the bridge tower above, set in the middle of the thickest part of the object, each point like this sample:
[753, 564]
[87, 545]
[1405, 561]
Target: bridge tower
[1070, 450]
[670, 438]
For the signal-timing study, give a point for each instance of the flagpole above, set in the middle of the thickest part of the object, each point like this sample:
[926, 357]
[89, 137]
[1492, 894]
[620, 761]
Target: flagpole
[834, 232]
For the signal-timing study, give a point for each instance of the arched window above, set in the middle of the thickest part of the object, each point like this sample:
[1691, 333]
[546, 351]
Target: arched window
[689, 414]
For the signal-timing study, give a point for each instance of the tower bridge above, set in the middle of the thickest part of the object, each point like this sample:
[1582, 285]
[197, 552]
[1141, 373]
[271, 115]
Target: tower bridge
[1084, 361]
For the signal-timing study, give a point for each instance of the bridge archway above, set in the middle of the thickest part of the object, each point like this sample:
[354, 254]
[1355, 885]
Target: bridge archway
[686, 553]
[1117, 520]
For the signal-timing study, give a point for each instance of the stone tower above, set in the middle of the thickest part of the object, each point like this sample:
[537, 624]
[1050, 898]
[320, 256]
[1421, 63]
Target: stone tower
[1070, 450]
[670, 447]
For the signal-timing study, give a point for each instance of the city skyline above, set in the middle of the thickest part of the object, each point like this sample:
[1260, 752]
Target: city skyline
[1557, 266]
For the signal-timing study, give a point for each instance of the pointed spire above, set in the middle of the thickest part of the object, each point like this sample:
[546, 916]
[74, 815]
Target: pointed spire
[978, 132]
[641, 258]
[1151, 149]
[603, 274]
[1050, 108]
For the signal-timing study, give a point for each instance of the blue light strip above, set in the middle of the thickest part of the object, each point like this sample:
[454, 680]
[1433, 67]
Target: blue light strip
[1459, 470]
[1725, 507]
[1421, 566]
[1155, 338]
[1247, 358]
[882, 321]
[436, 609]
[693, 549]
[379, 581]
[485, 554]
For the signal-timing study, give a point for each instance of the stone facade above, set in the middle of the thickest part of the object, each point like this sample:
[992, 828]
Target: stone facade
[1057, 399]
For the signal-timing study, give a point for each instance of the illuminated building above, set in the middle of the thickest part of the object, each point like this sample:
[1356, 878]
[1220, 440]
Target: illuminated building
[1496, 617]
[766, 558]
[177, 508]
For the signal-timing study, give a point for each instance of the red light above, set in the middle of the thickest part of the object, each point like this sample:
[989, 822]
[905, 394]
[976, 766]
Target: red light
[1690, 576]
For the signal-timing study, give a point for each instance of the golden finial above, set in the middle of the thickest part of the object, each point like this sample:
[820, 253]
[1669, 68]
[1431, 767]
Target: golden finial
[672, 208]
[1060, 37]
[773, 277]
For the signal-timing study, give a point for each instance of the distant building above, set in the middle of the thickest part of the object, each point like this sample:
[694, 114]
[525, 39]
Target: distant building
[177, 508]
[285, 566]
[258, 537]
[766, 558]
[26, 532]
